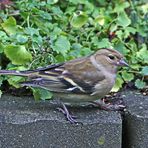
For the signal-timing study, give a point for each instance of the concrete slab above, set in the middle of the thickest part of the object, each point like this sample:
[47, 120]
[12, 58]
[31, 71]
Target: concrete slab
[25, 123]
[135, 123]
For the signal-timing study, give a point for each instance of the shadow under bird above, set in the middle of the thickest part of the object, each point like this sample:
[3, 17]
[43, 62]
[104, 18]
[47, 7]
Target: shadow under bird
[85, 79]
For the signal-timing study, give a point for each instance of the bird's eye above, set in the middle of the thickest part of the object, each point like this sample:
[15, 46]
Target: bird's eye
[111, 57]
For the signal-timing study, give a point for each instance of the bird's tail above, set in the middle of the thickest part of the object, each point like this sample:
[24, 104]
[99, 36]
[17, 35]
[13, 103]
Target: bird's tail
[26, 73]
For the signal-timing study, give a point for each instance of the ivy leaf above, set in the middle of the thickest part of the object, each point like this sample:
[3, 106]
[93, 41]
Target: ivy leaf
[40, 93]
[131, 30]
[55, 33]
[31, 31]
[60, 58]
[103, 43]
[118, 84]
[62, 45]
[10, 26]
[140, 84]
[113, 27]
[17, 54]
[143, 54]
[121, 48]
[75, 2]
[100, 20]
[127, 76]
[52, 1]
[78, 20]
[21, 38]
[123, 20]
[145, 71]
[14, 81]
[3, 36]
[86, 51]
[58, 12]
[121, 6]
[1, 48]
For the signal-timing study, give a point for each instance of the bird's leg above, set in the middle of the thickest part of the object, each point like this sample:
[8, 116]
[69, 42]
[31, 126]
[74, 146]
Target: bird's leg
[110, 106]
[65, 111]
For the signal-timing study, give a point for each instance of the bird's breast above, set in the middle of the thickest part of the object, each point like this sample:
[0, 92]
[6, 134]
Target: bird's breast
[75, 98]
[104, 87]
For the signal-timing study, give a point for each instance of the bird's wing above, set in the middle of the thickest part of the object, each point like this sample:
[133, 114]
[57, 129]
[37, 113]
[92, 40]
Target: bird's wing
[77, 76]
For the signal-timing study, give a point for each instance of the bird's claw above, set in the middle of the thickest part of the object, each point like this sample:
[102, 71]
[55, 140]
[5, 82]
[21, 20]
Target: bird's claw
[110, 106]
[69, 117]
[114, 107]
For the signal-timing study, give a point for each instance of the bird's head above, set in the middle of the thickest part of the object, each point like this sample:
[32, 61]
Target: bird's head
[110, 58]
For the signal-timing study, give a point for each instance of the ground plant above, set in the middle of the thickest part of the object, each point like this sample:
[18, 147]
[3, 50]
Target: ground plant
[36, 33]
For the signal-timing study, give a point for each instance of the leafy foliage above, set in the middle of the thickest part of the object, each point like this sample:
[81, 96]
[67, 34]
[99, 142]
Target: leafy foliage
[37, 33]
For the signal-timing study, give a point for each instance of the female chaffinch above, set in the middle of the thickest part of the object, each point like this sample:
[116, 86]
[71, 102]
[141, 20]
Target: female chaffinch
[77, 81]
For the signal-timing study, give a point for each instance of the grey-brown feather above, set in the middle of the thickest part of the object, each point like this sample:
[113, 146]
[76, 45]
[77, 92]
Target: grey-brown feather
[80, 80]
[65, 77]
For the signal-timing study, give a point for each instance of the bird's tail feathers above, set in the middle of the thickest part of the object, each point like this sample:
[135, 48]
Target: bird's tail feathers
[16, 73]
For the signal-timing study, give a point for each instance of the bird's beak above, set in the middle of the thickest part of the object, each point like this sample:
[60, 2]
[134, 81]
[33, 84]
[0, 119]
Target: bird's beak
[122, 63]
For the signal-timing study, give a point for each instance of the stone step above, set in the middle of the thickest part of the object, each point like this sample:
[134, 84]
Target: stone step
[135, 123]
[25, 123]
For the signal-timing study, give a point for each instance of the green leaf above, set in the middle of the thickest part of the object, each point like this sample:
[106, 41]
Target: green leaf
[140, 84]
[77, 1]
[45, 15]
[75, 50]
[142, 31]
[76, 46]
[62, 45]
[100, 20]
[145, 71]
[60, 58]
[78, 20]
[58, 12]
[101, 140]
[70, 10]
[120, 34]
[3, 36]
[135, 66]
[32, 31]
[143, 53]
[40, 93]
[1, 48]
[123, 20]
[113, 27]
[118, 84]
[121, 48]
[14, 81]
[10, 26]
[36, 94]
[103, 43]
[127, 76]
[17, 54]
[86, 51]
[144, 7]
[21, 38]
[131, 30]
[54, 34]
[14, 67]
[121, 6]
[52, 1]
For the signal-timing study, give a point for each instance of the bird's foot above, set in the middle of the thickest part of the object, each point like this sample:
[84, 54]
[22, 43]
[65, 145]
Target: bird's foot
[69, 117]
[116, 105]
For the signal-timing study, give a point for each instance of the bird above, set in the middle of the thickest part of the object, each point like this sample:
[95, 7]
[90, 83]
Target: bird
[77, 81]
